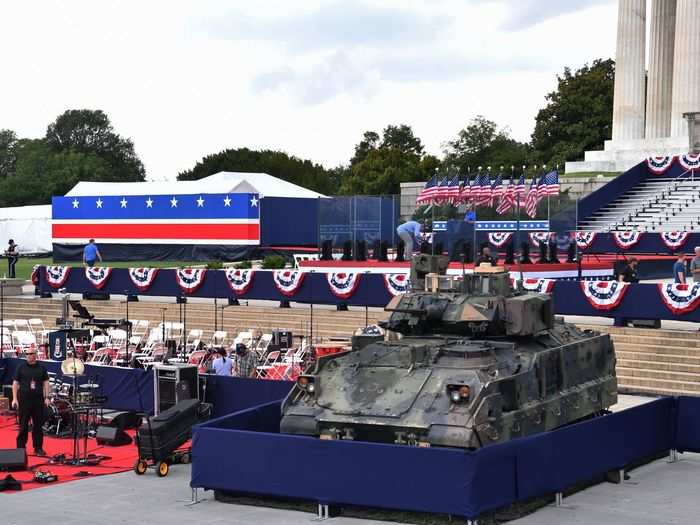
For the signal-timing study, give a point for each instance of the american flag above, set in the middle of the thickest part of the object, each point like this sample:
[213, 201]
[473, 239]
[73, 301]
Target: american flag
[497, 189]
[531, 200]
[453, 190]
[442, 192]
[508, 199]
[428, 192]
[484, 191]
[551, 183]
[520, 189]
[465, 194]
[206, 218]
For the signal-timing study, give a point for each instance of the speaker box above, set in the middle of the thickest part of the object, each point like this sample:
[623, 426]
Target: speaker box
[400, 245]
[646, 323]
[383, 251]
[543, 254]
[13, 459]
[125, 420]
[360, 251]
[553, 255]
[510, 255]
[376, 249]
[347, 251]
[112, 436]
[327, 250]
[525, 253]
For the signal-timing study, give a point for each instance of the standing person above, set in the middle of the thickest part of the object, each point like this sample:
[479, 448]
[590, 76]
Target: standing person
[30, 393]
[679, 269]
[695, 266]
[245, 362]
[12, 256]
[485, 257]
[629, 274]
[409, 233]
[222, 365]
[91, 254]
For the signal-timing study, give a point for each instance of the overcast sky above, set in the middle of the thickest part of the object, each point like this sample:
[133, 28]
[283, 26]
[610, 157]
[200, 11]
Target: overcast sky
[185, 79]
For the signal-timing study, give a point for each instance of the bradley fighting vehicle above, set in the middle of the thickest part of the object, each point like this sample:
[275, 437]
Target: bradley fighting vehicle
[478, 363]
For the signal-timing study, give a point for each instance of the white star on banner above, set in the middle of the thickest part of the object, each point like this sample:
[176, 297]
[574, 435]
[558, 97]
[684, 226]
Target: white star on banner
[227, 201]
[99, 202]
[254, 202]
[173, 202]
[149, 203]
[75, 203]
[200, 202]
[123, 202]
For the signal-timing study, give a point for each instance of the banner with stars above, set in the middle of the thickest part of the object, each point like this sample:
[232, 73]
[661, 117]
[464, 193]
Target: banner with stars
[206, 218]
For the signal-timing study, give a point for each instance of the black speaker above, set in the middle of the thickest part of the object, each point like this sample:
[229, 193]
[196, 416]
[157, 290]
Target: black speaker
[13, 459]
[543, 253]
[571, 252]
[510, 256]
[282, 338]
[383, 251]
[360, 251]
[646, 323]
[553, 258]
[376, 249]
[525, 253]
[347, 251]
[112, 436]
[125, 420]
[400, 245]
[327, 250]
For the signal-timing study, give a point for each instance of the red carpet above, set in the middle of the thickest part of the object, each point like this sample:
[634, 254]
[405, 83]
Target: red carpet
[118, 459]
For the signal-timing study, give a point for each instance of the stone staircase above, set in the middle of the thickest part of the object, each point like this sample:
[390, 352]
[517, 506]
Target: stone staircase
[665, 362]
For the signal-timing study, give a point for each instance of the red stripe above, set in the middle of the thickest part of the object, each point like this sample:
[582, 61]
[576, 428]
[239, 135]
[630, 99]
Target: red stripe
[156, 231]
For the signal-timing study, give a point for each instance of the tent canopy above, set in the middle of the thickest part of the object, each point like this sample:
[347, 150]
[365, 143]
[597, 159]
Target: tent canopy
[222, 182]
[29, 226]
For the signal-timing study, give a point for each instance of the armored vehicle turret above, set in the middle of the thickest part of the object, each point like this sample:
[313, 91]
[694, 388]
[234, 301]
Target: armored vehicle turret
[475, 363]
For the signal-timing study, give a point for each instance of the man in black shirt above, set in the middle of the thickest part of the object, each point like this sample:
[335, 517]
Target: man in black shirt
[629, 274]
[486, 257]
[30, 393]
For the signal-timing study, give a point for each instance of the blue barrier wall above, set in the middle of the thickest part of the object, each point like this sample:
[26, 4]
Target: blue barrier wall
[437, 480]
[288, 222]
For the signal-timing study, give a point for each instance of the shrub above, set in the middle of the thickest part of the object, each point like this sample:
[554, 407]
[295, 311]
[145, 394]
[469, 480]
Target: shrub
[274, 262]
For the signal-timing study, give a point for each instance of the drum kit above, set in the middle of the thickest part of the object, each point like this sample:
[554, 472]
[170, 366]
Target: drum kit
[73, 407]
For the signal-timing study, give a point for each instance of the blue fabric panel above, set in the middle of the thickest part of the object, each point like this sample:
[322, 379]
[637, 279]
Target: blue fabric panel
[288, 222]
[368, 474]
[688, 424]
[233, 394]
[553, 461]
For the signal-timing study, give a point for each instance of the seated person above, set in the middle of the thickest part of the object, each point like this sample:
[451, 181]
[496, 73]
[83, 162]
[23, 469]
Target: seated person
[486, 257]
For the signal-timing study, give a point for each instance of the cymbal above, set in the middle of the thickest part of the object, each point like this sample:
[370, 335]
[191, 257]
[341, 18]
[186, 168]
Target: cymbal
[89, 385]
[72, 366]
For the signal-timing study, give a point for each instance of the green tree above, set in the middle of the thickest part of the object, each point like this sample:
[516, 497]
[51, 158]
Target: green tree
[578, 115]
[276, 163]
[8, 142]
[379, 166]
[482, 143]
[90, 132]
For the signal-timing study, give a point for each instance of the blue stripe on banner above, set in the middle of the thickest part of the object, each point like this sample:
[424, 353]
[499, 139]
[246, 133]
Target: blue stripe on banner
[199, 206]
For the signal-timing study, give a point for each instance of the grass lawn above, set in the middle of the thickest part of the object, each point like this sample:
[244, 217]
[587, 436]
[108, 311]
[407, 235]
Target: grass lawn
[25, 265]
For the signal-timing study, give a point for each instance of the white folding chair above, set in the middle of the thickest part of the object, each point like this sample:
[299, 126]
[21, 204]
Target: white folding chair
[218, 338]
[194, 337]
[22, 325]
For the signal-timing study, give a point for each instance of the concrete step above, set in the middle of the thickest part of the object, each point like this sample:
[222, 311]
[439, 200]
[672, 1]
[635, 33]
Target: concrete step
[657, 357]
[688, 352]
[632, 384]
[659, 375]
[652, 332]
[656, 366]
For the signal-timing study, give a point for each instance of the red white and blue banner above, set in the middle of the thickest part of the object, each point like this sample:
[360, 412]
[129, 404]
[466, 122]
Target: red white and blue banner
[239, 280]
[287, 281]
[143, 278]
[537, 237]
[499, 239]
[674, 239]
[56, 275]
[659, 164]
[538, 285]
[680, 298]
[206, 218]
[190, 279]
[97, 275]
[343, 284]
[604, 295]
[689, 162]
[584, 239]
[626, 240]
[397, 283]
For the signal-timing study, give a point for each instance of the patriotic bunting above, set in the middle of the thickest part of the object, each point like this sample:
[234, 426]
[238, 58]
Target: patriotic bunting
[674, 239]
[680, 298]
[584, 239]
[189, 280]
[287, 281]
[689, 162]
[538, 285]
[626, 240]
[35, 275]
[604, 295]
[342, 284]
[537, 237]
[499, 239]
[56, 276]
[397, 283]
[659, 164]
[97, 275]
[142, 278]
[239, 280]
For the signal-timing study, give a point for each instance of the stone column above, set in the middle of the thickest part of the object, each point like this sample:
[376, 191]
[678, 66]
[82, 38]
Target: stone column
[660, 82]
[686, 65]
[628, 105]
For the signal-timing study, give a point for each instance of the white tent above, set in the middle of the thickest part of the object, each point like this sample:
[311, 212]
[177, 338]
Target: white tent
[29, 226]
[222, 182]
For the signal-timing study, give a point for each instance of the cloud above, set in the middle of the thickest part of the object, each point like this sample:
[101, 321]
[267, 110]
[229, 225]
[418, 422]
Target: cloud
[523, 14]
[339, 24]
